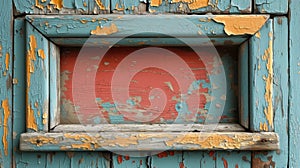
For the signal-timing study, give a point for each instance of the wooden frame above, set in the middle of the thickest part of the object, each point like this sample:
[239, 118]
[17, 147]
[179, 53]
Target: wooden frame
[44, 35]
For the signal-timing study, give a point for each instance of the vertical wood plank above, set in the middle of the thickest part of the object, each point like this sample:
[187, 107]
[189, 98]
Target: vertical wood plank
[261, 79]
[244, 84]
[89, 159]
[37, 80]
[198, 159]
[54, 103]
[120, 161]
[166, 159]
[271, 6]
[294, 97]
[234, 159]
[99, 6]
[128, 6]
[6, 58]
[58, 159]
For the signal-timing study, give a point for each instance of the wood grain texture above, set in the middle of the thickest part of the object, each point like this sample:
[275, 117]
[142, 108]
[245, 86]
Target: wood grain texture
[152, 141]
[294, 96]
[271, 6]
[6, 66]
[37, 80]
[129, 6]
[261, 79]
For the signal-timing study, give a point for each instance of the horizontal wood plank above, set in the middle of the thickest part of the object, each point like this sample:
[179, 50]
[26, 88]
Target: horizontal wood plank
[150, 141]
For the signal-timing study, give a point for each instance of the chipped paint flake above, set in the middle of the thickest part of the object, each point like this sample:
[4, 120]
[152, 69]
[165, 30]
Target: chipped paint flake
[194, 4]
[100, 4]
[268, 57]
[241, 24]
[39, 141]
[155, 2]
[6, 112]
[263, 126]
[58, 4]
[38, 5]
[105, 30]
[31, 58]
[41, 53]
[7, 61]
[30, 122]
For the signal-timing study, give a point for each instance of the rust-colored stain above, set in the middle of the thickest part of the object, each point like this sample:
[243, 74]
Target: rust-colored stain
[263, 126]
[6, 110]
[120, 159]
[58, 4]
[258, 163]
[155, 2]
[268, 57]
[105, 30]
[126, 157]
[7, 61]
[41, 53]
[38, 5]
[41, 140]
[241, 24]
[181, 165]
[225, 163]
[100, 4]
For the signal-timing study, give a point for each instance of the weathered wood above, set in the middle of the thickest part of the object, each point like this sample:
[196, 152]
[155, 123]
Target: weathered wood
[127, 159]
[54, 69]
[129, 6]
[51, 6]
[205, 6]
[271, 6]
[147, 26]
[261, 79]
[294, 73]
[166, 159]
[226, 159]
[99, 6]
[150, 141]
[148, 128]
[199, 159]
[6, 73]
[37, 80]
[244, 84]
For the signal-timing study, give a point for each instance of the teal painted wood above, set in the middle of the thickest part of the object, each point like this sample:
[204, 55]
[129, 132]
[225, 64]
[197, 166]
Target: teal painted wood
[6, 57]
[54, 99]
[294, 73]
[271, 6]
[214, 6]
[89, 159]
[49, 6]
[226, 159]
[129, 6]
[99, 6]
[261, 79]
[244, 84]
[167, 159]
[37, 76]
[58, 159]
[199, 159]
[128, 25]
[124, 161]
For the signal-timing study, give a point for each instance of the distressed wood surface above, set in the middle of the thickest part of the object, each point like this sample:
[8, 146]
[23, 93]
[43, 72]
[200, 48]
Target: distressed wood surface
[147, 26]
[148, 141]
[271, 6]
[37, 80]
[6, 59]
[148, 128]
[202, 6]
[294, 96]
[261, 79]
[129, 6]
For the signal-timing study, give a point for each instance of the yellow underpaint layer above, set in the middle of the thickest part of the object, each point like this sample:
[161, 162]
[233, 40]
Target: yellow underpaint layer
[58, 4]
[263, 126]
[6, 110]
[119, 8]
[257, 35]
[30, 119]
[268, 57]
[241, 24]
[45, 118]
[7, 61]
[194, 4]
[41, 140]
[213, 141]
[100, 4]
[38, 5]
[105, 30]
[155, 2]
[41, 53]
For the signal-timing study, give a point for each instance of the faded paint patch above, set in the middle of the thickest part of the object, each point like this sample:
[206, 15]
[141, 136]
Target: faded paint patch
[241, 24]
[105, 30]
[100, 4]
[268, 57]
[41, 53]
[6, 110]
[58, 4]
